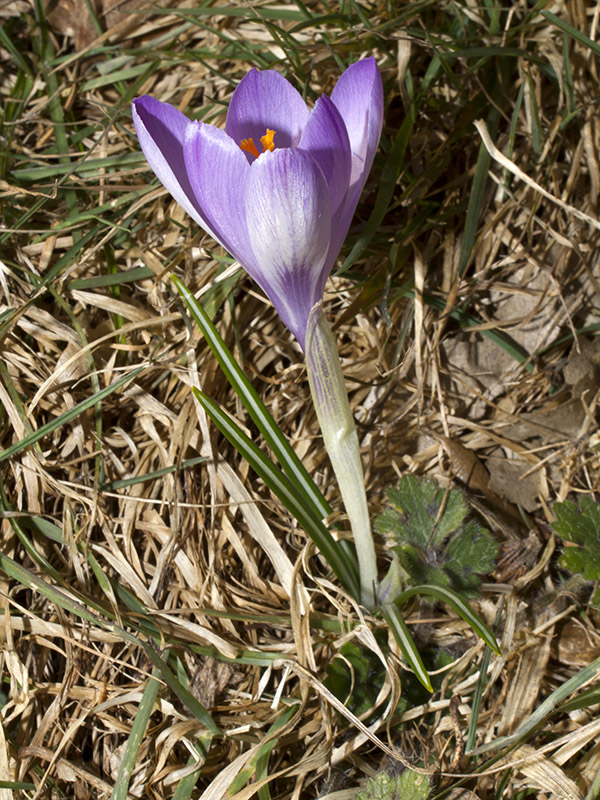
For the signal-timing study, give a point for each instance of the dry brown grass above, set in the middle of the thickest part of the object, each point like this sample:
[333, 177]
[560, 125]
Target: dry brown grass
[107, 563]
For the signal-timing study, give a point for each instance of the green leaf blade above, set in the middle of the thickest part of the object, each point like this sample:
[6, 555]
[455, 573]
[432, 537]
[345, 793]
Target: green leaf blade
[338, 559]
[255, 407]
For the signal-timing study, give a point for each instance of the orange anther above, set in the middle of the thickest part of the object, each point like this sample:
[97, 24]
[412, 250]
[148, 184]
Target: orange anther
[267, 140]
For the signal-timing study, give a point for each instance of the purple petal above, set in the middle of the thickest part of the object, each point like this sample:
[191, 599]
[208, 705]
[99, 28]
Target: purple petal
[326, 139]
[358, 96]
[264, 100]
[161, 131]
[218, 172]
[289, 223]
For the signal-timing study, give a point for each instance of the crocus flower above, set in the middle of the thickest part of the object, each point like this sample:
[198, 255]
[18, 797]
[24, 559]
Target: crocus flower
[279, 186]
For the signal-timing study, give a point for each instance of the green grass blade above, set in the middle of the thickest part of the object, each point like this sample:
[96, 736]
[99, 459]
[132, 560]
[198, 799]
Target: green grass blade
[456, 602]
[8, 43]
[474, 209]
[258, 764]
[118, 75]
[46, 54]
[255, 407]
[72, 413]
[401, 634]
[28, 545]
[336, 556]
[25, 787]
[151, 476]
[477, 697]
[136, 736]
[186, 785]
[594, 791]
[111, 279]
[571, 31]
[543, 711]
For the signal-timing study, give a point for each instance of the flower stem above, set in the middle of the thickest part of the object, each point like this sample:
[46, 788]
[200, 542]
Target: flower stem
[341, 442]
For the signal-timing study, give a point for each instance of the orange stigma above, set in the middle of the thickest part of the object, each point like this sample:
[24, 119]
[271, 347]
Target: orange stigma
[267, 142]
[249, 146]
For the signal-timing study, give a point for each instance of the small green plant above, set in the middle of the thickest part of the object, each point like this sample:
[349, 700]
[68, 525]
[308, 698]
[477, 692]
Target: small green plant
[579, 527]
[407, 786]
[356, 675]
[432, 539]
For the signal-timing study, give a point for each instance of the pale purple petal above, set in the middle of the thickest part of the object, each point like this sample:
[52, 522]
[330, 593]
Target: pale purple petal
[218, 172]
[289, 222]
[161, 129]
[326, 139]
[358, 96]
[264, 100]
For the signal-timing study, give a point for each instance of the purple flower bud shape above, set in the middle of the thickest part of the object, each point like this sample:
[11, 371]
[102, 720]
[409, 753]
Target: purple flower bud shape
[279, 186]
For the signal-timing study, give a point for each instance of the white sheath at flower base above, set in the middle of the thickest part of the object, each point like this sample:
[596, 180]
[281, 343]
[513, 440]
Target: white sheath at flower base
[341, 442]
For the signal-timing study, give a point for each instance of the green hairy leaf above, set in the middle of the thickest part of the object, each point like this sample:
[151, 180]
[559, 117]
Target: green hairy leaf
[407, 786]
[580, 526]
[428, 530]
[356, 675]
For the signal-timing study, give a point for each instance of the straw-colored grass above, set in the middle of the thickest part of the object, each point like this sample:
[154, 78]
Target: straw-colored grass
[166, 626]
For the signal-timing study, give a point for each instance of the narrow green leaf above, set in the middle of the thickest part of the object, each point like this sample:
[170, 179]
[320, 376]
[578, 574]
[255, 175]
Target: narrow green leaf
[266, 12]
[68, 415]
[594, 790]
[45, 527]
[337, 558]
[8, 43]
[543, 711]
[477, 697]
[187, 784]
[26, 787]
[261, 759]
[28, 545]
[571, 31]
[401, 634]
[458, 604]
[213, 299]
[45, 51]
[112, 279]
[136, 736]
[259, 762]
[151, 476]
[82, 167]
[186, 697]
[124, 74]
[476, 206]
[474, 209]
[255, 407]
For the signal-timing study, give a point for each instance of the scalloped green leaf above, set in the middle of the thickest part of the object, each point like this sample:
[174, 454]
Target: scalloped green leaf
[408, 785]
[580, 527]
[428, 530]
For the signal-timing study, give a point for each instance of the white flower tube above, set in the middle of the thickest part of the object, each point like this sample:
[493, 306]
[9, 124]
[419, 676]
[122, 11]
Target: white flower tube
[341, 442]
